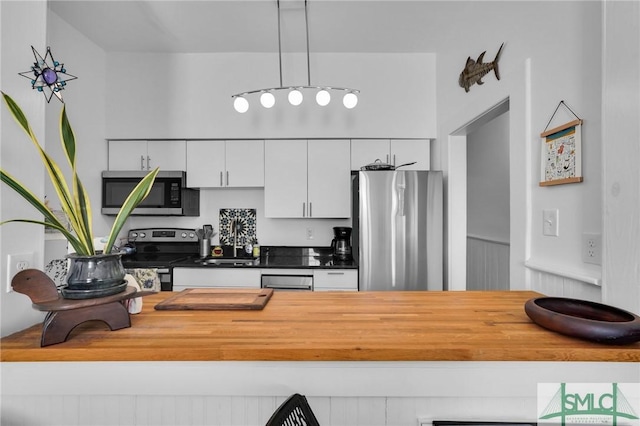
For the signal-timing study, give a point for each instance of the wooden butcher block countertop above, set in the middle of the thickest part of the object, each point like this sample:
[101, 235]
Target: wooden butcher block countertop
[328, 326]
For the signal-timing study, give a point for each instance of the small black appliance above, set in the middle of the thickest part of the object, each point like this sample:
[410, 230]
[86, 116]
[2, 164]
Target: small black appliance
[341, 244]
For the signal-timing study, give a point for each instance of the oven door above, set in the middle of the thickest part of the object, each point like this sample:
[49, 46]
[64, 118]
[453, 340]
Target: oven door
[288, 282]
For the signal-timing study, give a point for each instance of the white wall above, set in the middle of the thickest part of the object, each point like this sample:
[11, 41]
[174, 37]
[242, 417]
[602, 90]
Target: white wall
[85, 107]
[22, 25]
[187, 96]
[621, 155]
[542, 63]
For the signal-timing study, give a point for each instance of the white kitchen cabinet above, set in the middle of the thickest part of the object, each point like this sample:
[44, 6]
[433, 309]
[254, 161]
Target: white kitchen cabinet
[391, 151]
[147, 155]
[213, 277]
[205, 164]
[366, 151]
[307, 179]
[409, 150]
[328, 178]
[335, 280]
[225, 164]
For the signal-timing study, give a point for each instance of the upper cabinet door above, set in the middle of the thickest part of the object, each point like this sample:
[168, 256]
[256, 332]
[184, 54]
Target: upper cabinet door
[329, 178]
[409, 150]
[205, 164]
[225, 164]
[285, 178]
[366, 151]
[168, 155]
[244, 163]
[147, 155]
[127, 155]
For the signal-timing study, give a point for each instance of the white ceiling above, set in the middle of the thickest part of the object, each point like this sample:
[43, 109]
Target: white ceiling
[252, 25]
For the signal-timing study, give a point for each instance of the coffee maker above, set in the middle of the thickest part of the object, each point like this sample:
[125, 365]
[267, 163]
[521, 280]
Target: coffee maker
[341, 243]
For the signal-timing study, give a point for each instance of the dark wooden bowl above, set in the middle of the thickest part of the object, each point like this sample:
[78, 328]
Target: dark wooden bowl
[586, 320]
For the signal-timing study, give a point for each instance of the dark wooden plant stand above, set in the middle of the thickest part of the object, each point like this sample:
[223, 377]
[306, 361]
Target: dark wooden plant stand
[65, 314]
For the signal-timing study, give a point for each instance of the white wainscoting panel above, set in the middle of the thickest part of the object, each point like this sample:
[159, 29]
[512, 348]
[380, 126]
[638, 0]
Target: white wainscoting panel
[487, 264]
[559, 286]
[247, 393]
[157, 410]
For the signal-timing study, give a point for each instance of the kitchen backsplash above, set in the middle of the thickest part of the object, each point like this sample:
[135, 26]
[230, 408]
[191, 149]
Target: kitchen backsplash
[285, 232]
[246, 221]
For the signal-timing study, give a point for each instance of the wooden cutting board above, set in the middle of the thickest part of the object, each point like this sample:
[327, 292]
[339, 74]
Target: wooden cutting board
[217, 299]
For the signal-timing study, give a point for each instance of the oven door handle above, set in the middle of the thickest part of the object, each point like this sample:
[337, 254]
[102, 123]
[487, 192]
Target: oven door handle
[288, 287]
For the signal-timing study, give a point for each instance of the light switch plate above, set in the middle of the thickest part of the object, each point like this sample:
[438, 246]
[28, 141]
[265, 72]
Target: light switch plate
[550, 222]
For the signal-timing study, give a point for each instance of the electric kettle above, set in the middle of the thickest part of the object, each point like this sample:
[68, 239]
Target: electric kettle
[341, 243]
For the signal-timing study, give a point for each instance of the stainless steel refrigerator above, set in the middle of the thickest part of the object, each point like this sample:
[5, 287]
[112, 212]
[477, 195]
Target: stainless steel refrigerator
[398, 229]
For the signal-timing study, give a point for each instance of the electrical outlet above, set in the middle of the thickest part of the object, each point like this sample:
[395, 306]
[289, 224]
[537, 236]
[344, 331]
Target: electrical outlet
[309, 233]
[550, 222]
[17, 263]
[592, 248]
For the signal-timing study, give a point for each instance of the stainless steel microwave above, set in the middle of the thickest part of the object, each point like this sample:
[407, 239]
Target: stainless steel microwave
[169, 195]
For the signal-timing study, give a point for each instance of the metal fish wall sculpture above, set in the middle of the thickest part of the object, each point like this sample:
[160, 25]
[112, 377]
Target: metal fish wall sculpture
[474, 70]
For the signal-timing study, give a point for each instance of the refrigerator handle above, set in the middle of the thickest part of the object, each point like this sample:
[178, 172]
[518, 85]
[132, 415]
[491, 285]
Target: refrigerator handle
[400, 190]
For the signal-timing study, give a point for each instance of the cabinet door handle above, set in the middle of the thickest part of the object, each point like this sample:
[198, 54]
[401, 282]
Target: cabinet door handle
[221, 183]
[394, 159]
[387, 158]
[148, 161]
[227, 177]
[310, 209]
[303, 209]
[335, 273]
[142, 162]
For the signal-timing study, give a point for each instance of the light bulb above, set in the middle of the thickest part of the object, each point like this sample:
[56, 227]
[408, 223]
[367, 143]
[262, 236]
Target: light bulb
[295, 97]
[350, 100]
[323, 98]
[241, 104]
[267, 99]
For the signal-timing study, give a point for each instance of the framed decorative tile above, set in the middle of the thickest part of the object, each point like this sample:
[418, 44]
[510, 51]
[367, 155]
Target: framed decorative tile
[246, 222]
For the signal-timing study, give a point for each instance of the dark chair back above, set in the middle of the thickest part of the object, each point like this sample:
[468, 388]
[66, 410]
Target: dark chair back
[295, 411]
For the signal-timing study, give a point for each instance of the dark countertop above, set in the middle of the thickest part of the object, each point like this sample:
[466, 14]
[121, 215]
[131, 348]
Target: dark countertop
[284, 257]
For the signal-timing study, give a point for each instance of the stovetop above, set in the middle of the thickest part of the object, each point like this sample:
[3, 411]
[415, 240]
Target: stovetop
[160, 247]
[153, 260]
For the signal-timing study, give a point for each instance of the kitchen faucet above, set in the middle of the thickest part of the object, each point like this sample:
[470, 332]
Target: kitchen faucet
[234, 231]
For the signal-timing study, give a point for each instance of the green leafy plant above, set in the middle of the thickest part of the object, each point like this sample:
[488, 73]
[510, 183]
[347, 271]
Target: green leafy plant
[75, 203]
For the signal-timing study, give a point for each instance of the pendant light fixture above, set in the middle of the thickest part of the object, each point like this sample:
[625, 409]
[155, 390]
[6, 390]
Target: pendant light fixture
[296, 93]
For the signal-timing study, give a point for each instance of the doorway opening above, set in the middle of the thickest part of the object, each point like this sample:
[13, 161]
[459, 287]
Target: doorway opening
[488, 205]
[480, 180]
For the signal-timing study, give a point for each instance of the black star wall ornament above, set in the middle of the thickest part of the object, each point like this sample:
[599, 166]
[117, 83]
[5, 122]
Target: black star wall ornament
[48, 75]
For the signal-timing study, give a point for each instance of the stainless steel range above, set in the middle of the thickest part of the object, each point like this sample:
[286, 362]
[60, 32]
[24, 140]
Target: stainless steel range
[161, 248]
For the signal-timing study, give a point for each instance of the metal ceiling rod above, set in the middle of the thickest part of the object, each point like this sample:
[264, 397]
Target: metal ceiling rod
[306, 24]
[280, 43]
[242, 105]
